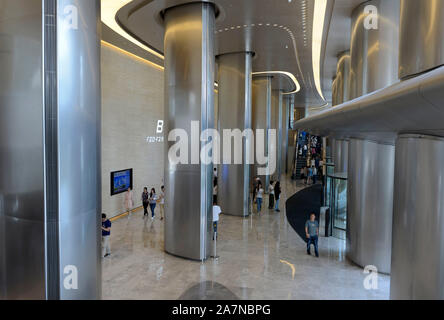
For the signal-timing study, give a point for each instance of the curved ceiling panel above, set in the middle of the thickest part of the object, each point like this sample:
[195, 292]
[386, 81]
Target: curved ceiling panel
[279, 32]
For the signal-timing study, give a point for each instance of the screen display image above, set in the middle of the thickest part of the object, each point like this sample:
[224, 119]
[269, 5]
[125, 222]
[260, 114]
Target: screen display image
[121, 181]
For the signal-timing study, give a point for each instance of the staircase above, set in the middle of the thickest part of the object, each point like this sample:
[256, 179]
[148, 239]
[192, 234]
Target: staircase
[302, 162]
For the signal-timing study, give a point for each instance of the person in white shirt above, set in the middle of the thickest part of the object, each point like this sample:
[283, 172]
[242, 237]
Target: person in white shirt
[271, 195]
[259, 196]
[153, 201]
[129, 202]
[216, 212]
[162, 202]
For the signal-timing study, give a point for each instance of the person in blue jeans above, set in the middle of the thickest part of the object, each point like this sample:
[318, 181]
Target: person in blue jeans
[259, 196]
[153, 201]
[312, 233]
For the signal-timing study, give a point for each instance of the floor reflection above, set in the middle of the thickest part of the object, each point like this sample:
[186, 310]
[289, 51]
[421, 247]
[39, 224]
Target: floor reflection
[251, 250]
[208, 290]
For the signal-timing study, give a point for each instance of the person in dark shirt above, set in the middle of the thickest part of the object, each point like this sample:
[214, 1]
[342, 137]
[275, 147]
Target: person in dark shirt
[145, 201]
[106, 233]
[312, 233]
[277, 195]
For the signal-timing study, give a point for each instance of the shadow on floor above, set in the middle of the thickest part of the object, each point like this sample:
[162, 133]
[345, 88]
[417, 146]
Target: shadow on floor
[208, 290]
[301, 205]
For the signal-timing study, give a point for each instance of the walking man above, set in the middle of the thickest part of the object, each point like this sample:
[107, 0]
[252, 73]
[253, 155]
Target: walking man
[216, 212]
[312, 233]
[106, 232]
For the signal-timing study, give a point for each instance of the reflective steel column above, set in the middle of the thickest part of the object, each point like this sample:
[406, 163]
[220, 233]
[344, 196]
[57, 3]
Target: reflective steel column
[79, 146]
[285, 127]
[370, 203]
[22, 202]
[234, 79]
[340, 155]
[418, 220]
[374, 48]
[261, 117]
[50, 192]
[343, 78]
[421, 44]
[189, 96]
[276, 124]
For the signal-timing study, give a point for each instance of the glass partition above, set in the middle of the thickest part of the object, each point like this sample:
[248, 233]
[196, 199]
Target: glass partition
[336, 200]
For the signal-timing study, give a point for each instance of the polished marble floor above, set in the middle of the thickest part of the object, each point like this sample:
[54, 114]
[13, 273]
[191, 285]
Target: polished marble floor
[261, 257]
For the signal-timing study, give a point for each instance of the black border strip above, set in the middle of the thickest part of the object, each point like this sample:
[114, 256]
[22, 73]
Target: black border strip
[51, 149]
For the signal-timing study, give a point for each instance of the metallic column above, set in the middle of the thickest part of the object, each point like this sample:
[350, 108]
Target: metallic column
[370, 203]
[261, 117]
[276, 123]
[285, 127]
[50, 193]
[334, 91]
[189, 96]
[340, 155]
[22, 193]
[374, 52]
[79, 122]
[343, 78]
[421, 44]
[418, 220]
[234, 81]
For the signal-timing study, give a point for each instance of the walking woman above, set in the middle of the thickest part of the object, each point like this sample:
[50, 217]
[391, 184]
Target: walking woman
[162, 202]
[277, 195]
[145, 201]
[153, 201]
[259, 196]
[129, 202]
[271, 195]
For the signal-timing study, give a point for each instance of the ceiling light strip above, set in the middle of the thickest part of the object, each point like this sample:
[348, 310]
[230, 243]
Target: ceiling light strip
[318, 29]
[132, 55]
[288, 74]
[109, 11]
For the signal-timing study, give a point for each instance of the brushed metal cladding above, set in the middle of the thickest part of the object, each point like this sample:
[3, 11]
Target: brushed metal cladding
[340, 155]
[234, 79]
[384, 113]
[285, 128]
[79, 145]
[334, 92]
[276, 124]
[421, 44]
[343, 78]
[261, 118]
[374, 51]
[371, 168]
[22, 216]
[189, 96]
[418, 220]
[279, 135]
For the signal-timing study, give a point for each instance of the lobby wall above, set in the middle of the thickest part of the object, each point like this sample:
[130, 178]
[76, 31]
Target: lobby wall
[132, 104]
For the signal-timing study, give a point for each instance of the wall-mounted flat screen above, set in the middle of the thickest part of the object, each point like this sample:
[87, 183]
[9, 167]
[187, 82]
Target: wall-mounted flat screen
[121, 181]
